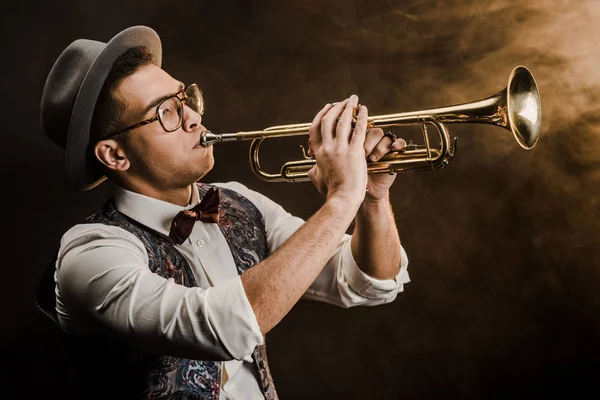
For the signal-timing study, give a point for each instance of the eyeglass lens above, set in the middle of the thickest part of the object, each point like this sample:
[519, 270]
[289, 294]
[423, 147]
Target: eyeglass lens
[170, 111]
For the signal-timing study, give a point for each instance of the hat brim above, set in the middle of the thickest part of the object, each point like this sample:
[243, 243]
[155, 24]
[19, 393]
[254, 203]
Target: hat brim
[79, 172]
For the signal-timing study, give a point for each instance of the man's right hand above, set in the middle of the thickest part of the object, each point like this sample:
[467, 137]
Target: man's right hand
[338, 147]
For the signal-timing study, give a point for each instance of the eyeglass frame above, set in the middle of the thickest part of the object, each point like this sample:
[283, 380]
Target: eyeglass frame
[157, 116]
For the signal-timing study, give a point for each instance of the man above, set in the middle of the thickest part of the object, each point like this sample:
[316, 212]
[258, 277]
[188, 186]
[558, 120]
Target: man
[171, 288]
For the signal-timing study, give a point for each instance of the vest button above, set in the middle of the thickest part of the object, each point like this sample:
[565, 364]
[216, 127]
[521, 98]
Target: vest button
[200, 242]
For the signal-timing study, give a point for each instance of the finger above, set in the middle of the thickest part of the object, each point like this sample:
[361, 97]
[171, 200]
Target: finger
[399, 144]
[384, 146]
[373, 137]
[329, 120]
[314, 132]
[344, 124]
[360, 130]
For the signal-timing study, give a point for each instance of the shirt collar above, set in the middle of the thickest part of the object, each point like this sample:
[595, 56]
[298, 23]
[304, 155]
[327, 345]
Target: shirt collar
[155, 214]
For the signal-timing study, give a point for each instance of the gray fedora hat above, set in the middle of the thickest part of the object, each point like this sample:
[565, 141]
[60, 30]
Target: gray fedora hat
[72, 89]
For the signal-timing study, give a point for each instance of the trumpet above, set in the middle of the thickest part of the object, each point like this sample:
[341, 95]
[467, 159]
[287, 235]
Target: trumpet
[517, 109]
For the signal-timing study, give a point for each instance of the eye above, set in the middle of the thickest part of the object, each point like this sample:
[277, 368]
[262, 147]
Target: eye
[170, 108]
[165, 108]
[164, 111]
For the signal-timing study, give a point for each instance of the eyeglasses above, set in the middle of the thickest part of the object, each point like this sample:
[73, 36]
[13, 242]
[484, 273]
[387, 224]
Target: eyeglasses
[170, 111]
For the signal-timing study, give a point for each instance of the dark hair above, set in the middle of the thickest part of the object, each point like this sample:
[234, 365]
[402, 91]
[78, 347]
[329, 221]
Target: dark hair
[109, 111]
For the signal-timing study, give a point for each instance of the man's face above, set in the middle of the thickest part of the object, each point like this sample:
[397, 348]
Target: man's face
[164, 160]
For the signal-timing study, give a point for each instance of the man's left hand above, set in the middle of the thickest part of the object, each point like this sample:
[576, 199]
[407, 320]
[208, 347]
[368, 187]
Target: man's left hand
[376, 146]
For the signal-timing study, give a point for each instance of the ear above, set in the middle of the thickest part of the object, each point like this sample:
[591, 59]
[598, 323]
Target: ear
[112, 154]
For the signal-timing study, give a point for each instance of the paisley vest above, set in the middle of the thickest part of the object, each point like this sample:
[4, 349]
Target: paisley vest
[143, 375]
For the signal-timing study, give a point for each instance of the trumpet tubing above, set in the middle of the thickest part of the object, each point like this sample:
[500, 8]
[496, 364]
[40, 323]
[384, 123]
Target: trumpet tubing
[517, 109]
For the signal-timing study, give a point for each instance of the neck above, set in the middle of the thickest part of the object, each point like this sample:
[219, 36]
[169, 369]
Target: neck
[180, 196]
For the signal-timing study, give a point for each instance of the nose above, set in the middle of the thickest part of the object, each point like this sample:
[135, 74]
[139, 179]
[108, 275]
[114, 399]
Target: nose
[191, 119]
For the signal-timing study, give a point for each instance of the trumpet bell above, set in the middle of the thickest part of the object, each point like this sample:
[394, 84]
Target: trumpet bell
[524, 108]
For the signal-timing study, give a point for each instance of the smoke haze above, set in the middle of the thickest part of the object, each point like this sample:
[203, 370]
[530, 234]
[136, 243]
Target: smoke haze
[504, 244]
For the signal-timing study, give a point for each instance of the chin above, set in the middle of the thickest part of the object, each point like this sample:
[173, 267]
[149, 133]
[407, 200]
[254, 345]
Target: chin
[207, 168]
[208, 163]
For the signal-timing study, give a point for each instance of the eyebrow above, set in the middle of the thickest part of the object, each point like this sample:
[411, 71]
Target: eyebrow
[158, 100]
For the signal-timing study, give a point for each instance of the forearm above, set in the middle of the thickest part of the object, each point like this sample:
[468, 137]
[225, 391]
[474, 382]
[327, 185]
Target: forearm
[277, 283]
[375, 240]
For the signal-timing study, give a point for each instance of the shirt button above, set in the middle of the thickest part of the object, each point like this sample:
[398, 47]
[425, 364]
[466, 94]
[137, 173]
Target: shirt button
[200, 242]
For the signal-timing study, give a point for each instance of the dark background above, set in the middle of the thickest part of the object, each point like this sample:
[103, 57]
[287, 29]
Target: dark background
[503, 244]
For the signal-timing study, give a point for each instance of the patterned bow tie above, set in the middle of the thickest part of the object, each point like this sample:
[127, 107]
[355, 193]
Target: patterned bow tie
[207, 211]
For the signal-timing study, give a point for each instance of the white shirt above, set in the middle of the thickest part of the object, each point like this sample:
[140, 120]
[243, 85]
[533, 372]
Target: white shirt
[104, 285]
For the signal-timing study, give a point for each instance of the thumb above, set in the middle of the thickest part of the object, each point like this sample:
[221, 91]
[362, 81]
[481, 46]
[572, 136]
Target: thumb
[310, 151]
[312, 174]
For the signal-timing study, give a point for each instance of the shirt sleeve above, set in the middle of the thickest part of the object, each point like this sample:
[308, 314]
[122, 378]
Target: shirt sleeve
[344, 284]
[341, 282]
[104, 285]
